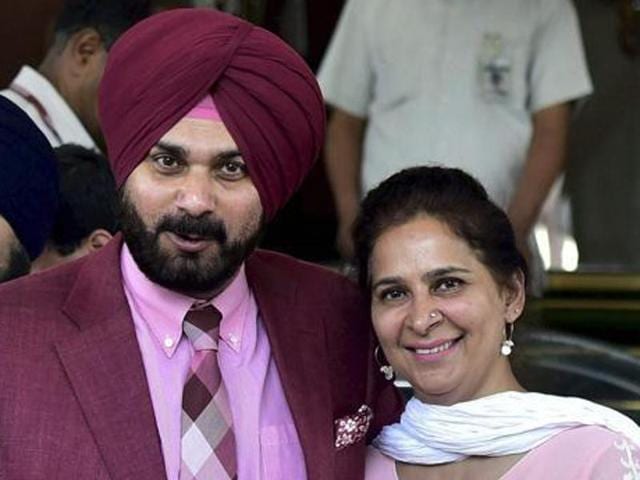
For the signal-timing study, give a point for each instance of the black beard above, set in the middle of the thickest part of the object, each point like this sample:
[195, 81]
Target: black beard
[184, 272]
[18, 263]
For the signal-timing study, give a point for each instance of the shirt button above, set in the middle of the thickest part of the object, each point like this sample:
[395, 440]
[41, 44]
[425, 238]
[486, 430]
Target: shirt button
[168, 342]
[233, 339]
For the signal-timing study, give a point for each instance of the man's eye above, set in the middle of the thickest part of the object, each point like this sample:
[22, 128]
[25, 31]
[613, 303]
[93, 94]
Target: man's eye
[233, 169]
[445, 285]
[166, 162]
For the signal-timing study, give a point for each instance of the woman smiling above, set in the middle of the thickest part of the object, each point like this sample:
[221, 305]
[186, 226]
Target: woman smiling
[447, 285]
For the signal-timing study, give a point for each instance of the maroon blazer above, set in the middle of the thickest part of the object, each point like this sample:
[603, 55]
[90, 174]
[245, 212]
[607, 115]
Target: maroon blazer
[74, 400]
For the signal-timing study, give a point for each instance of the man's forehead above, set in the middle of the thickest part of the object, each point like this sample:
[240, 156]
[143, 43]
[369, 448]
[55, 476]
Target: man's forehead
[194, 134]
[200, 122]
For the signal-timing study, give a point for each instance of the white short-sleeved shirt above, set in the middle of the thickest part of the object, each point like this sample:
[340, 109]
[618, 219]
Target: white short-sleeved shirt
[39, 99]
[453, 82]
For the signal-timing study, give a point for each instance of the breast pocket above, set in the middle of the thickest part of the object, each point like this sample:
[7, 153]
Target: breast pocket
[281, 453]
[502, 59]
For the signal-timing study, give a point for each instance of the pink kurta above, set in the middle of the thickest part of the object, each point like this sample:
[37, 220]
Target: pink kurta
[584, 453]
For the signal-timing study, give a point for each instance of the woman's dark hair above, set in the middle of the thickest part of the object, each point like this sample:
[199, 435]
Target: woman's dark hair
[449, 195]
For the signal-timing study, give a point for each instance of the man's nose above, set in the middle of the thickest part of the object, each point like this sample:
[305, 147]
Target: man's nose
[196, 195]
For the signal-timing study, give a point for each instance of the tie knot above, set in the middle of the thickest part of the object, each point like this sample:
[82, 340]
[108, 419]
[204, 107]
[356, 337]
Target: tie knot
[201, 327]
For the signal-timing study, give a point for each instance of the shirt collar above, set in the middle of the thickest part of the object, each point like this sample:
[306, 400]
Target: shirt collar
[234, 303]
[56, 106]
[163, 310]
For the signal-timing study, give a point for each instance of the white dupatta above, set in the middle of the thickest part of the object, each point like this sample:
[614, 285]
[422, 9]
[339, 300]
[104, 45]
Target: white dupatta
[500, 424]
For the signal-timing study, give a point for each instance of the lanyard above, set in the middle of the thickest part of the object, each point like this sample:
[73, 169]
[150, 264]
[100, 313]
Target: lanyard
[44, 115]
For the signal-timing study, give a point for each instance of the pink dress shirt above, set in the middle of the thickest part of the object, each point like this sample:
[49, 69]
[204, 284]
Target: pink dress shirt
[267, 441]
[584, 453]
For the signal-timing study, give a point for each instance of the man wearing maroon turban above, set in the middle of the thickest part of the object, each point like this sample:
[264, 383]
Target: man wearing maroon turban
[178, 350]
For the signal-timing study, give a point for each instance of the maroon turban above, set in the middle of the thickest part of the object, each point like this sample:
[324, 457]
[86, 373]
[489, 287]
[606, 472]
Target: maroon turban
[267, 96]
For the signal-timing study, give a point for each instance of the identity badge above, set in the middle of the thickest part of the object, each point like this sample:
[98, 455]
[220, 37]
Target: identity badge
[495, 67]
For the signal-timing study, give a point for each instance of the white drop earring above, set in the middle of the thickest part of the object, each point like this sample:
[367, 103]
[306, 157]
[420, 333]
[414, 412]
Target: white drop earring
[385, 369]
[507, 344]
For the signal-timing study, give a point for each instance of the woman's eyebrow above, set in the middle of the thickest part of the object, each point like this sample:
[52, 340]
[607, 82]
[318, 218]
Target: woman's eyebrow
[443, 272]
[385, 281]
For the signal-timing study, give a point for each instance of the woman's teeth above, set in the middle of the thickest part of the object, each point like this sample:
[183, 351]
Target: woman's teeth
[438, 349]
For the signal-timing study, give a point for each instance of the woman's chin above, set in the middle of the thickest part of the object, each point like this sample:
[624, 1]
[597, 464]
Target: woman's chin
[440, 393]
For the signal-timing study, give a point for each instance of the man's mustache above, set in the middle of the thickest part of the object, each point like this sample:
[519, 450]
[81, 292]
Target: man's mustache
[186, 225]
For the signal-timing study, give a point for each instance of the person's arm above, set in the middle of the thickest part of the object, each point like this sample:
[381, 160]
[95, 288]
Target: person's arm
[343, 160]
[544, 164]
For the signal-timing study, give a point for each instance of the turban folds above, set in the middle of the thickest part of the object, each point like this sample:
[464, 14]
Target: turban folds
[267, 97]
[28, 178]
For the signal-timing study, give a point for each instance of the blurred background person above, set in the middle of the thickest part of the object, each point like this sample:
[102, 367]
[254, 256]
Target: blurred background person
[28, 191]
[60, 95]
[603, 173]
[483, 86]
[87, 216]
[447, 285]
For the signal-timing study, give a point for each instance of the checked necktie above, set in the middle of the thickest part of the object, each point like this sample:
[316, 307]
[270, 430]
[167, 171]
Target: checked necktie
[208, 449]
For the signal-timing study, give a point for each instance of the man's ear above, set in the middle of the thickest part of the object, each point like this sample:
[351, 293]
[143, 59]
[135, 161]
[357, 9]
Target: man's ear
[514, 297]
[97, 239]
[82, 48]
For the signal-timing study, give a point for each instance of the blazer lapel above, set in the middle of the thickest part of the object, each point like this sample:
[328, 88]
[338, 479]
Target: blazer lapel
[104, 366]
[299, 350]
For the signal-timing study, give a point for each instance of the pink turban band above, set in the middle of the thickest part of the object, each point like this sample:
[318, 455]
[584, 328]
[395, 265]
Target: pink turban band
[161, 69]
[205, 110]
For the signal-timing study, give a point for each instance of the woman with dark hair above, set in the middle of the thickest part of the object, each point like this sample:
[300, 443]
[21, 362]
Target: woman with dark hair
[447, 285]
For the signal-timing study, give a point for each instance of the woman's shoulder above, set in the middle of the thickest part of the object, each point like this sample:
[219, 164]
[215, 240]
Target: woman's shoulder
[379, 466]
[591, 436]
[588, 452]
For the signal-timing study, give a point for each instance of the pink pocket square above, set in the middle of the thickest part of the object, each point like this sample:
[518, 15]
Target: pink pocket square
[352, 428]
